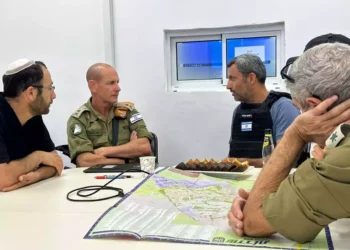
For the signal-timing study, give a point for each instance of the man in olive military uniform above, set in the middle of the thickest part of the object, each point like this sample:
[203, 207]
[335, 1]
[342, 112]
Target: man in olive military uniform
[300, 205]
[103, 130]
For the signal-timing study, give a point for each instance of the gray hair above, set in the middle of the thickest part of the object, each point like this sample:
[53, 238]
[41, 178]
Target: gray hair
[321, 72]
[249, 63]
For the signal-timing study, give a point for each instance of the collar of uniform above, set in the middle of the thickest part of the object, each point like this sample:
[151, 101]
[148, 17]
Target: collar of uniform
[96, 115]
[111, 114]
[93, 114]
[338, 134]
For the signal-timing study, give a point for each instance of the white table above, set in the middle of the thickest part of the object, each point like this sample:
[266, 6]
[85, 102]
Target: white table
[39, 217]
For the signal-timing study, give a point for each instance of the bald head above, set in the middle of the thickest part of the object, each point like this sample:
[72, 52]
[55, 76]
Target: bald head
[94, 73]
[103, 82]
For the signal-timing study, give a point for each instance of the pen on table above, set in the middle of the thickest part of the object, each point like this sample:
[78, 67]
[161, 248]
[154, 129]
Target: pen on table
[112, 177]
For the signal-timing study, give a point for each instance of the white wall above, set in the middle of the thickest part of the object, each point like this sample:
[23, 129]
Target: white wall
[67, 35]
[198, 124]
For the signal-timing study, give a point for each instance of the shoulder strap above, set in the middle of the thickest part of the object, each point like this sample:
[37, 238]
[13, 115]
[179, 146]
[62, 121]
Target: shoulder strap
[115, 131]
[274, 96]
[79, 111]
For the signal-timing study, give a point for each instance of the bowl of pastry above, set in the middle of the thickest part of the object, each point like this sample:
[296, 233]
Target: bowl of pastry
[228, 165]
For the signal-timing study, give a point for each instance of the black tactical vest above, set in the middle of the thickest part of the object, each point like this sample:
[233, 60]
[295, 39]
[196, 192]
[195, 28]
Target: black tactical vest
[248, 126]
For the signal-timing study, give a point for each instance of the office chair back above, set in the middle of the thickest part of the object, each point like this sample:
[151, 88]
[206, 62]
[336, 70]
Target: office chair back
[154, 146]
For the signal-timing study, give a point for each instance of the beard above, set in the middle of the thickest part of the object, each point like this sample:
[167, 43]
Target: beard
[39, 106]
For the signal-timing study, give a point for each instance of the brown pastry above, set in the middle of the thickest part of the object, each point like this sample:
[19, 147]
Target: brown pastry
[196, 162]
[190, 166]
[190, 161]
[245, 164]
[226, 160]
[236, 162]
[226, 167]
[181, 166]
[216, 167]
[205, 161]
[200, 166]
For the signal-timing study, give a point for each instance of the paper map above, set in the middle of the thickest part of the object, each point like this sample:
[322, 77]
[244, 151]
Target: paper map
[185, 207]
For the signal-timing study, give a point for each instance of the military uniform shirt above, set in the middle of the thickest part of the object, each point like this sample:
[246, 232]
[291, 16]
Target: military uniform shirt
[315, 195]
[88, 130]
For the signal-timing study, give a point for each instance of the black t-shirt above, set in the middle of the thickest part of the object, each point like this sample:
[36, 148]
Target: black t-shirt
[17, 141]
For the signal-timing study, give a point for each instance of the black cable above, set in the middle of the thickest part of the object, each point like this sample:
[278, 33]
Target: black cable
[95, 189]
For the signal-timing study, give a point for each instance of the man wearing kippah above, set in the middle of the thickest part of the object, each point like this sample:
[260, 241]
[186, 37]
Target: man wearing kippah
[27, 153]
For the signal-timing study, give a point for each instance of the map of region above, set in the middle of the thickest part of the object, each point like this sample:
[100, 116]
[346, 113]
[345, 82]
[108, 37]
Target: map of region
[179, 206]
[206, 201]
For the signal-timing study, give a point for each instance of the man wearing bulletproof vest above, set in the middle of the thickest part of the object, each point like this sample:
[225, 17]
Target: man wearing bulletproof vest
[258, 110]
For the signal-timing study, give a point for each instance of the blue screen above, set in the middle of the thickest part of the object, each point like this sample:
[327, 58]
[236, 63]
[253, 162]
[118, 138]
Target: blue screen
[201, 60]
[264, 47]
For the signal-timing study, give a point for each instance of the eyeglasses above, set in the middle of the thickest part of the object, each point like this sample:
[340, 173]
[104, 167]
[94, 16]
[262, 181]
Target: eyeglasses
[285, 73]
[51, 87]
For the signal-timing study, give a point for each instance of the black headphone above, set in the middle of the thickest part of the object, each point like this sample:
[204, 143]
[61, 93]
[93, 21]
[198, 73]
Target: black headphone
[91, 190]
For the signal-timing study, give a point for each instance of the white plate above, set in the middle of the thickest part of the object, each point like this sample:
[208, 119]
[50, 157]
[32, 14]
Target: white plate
[222, 173]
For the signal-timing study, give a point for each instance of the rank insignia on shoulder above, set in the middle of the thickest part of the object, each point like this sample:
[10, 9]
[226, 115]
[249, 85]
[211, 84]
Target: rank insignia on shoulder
[120, 113]
[127, 106]
[338, 135]
[136, 117]
[75, 129]
[79, 111]
[122, 108]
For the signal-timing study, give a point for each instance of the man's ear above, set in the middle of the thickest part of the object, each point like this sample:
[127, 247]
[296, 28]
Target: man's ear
[312, 102]
[30, 93]
[92, 86]
[251, 78]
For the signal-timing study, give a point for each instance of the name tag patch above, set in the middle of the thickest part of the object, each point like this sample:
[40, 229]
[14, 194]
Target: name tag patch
[246, 126]
[94, 132]
[136, 117]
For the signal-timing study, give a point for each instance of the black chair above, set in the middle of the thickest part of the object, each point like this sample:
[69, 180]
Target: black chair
[64, 149]
[154, 147]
